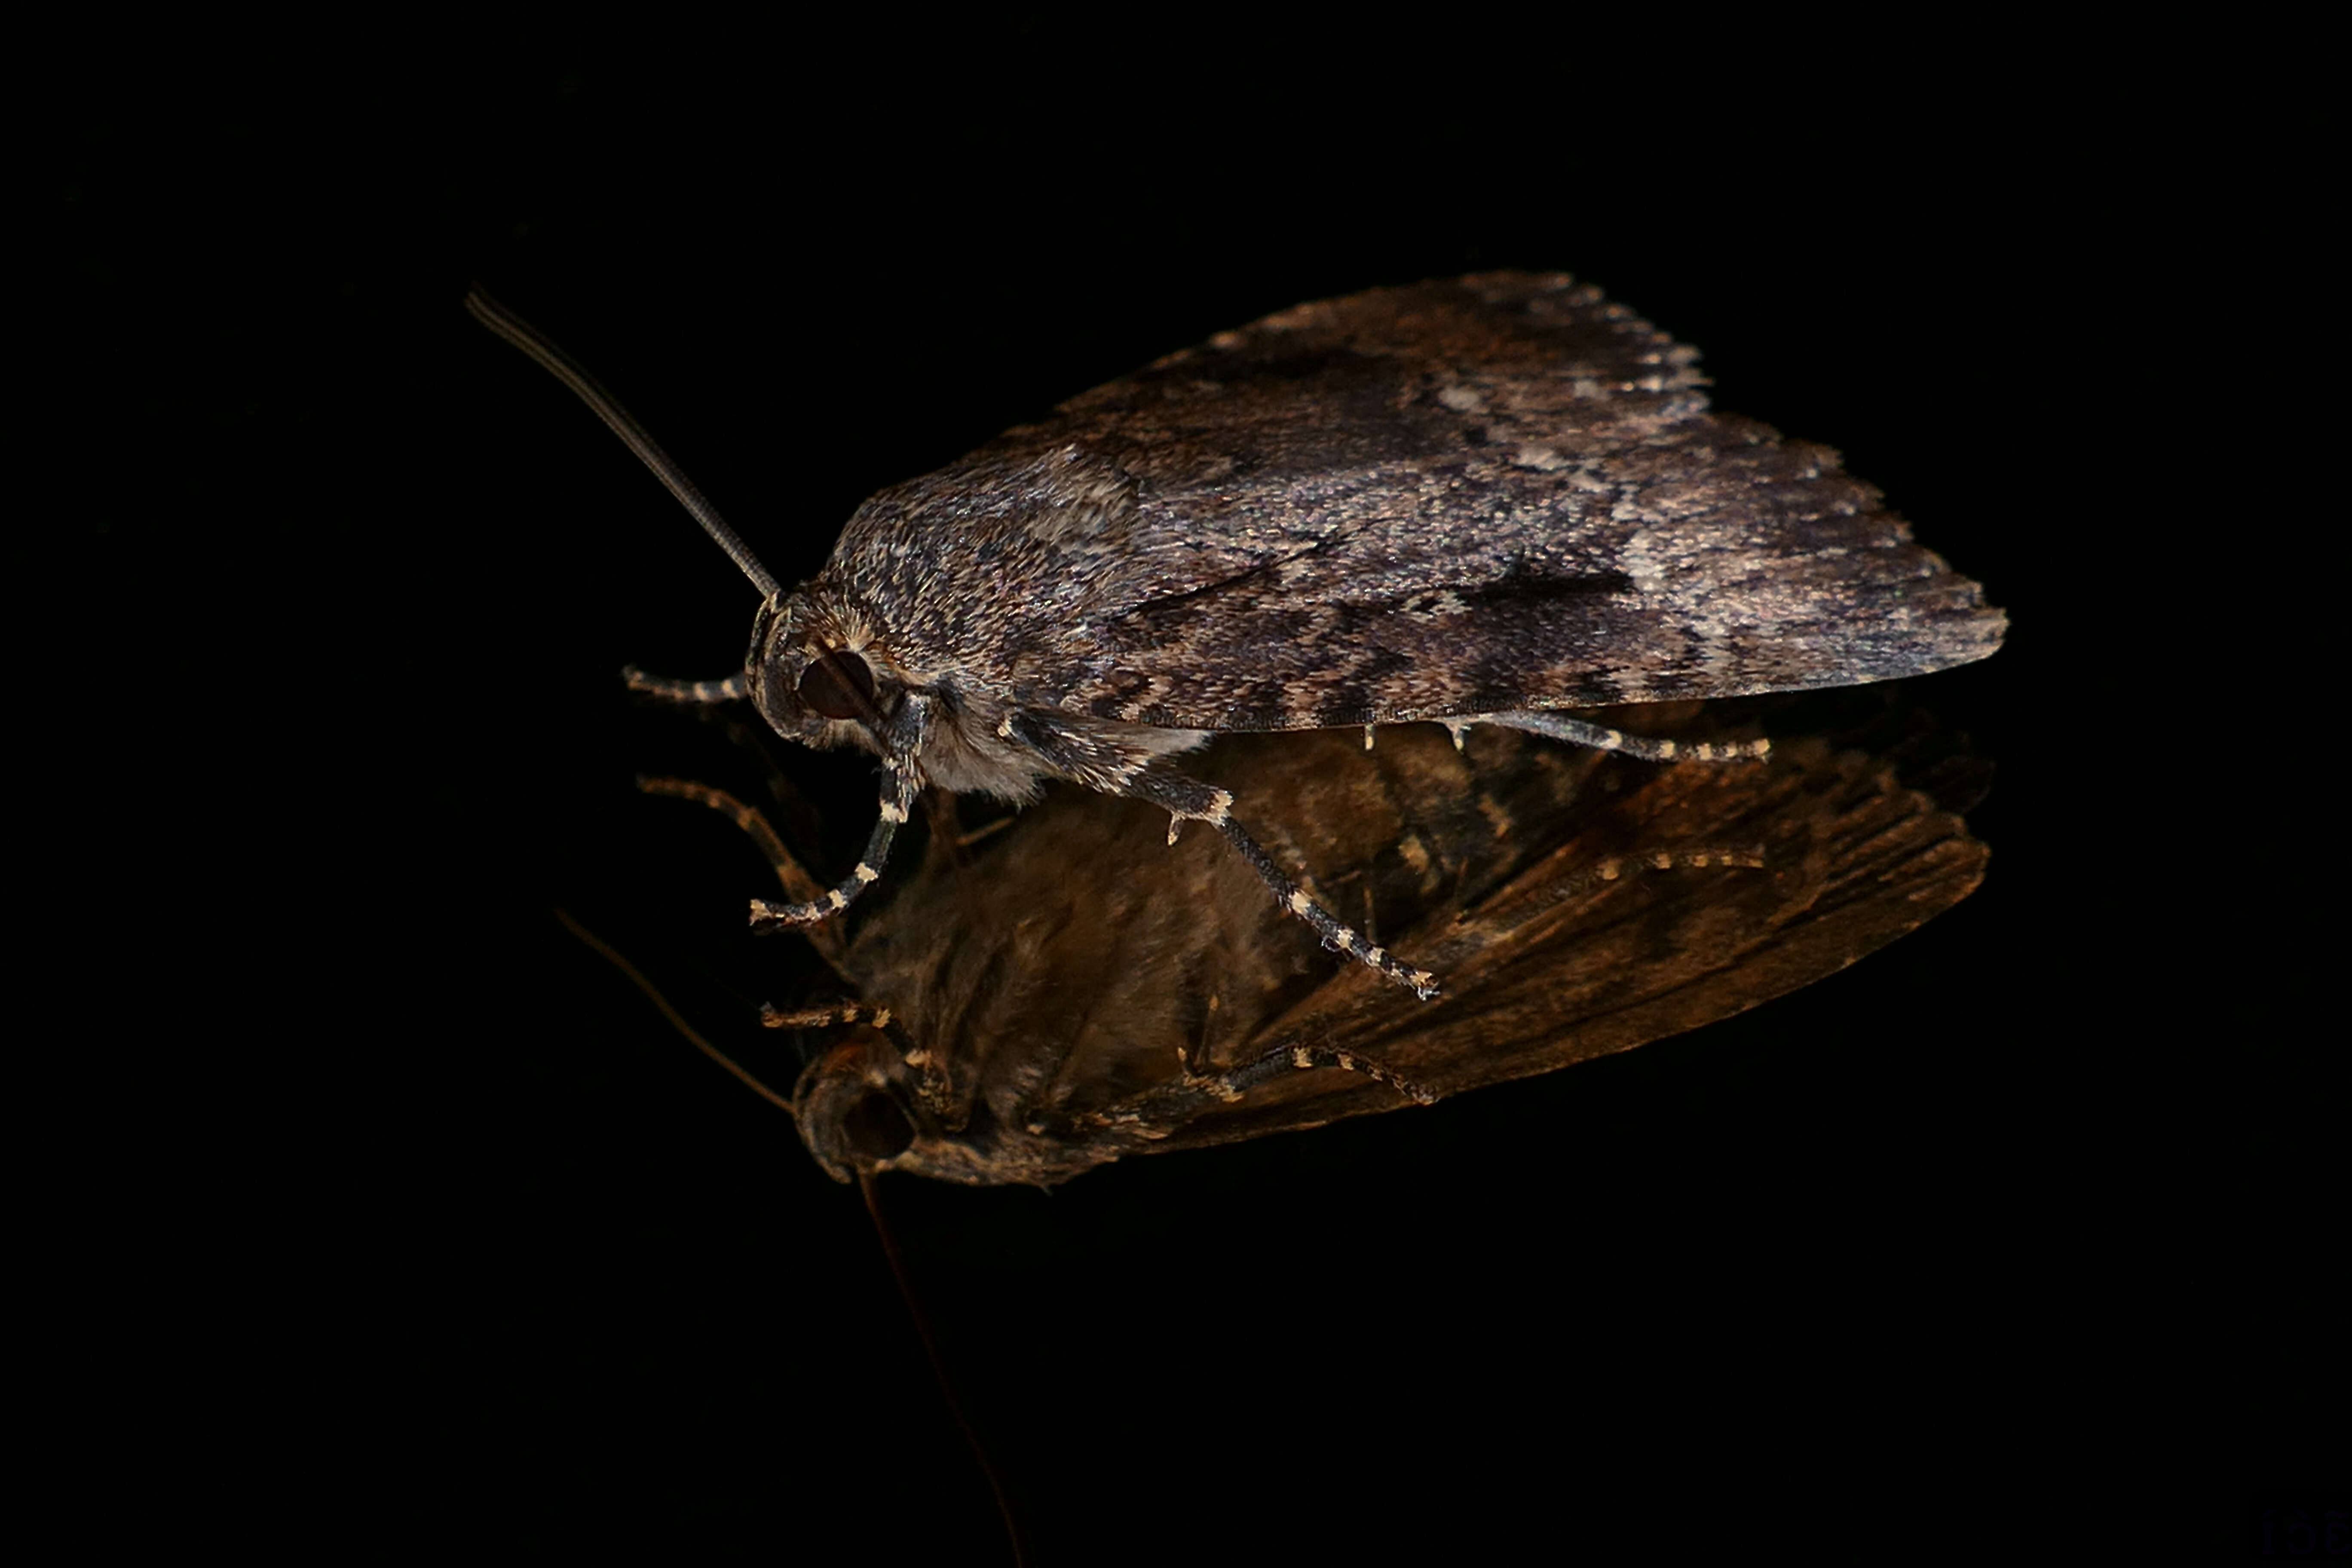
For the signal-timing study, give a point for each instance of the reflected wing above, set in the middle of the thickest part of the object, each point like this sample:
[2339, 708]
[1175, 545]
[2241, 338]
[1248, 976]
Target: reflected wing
[1566, 961]
[1084, 991]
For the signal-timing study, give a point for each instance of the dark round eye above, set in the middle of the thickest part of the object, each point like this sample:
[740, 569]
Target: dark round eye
[839, 684]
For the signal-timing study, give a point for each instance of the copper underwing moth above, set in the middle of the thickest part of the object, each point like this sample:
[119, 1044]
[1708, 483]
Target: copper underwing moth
[1490, 501]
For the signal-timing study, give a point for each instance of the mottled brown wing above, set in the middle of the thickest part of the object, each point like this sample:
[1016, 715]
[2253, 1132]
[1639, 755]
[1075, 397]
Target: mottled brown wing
[1084, 991]
[1490, 493]
[1559, 964]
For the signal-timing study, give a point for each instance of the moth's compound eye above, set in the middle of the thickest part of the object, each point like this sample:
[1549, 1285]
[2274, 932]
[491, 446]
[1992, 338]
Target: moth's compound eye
[839, 684]
[876, 1129]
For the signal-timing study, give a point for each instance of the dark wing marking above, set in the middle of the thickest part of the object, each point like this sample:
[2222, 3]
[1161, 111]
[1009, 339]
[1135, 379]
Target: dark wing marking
[1311, 520]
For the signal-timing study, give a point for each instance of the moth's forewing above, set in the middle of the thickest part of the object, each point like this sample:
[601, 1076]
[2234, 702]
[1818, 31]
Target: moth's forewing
[1080, 990]
[1464, 496]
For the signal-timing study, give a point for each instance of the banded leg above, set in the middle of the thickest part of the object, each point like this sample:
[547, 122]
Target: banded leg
[1301, 1059]
[795, 881]
[1615, 867]
[1168, 1105]
[898, 801]
[827, 940]
[1187, 800]
[1113, 764]
[689, 694]
[903, 782]
[833, 1017]
[1600, 738]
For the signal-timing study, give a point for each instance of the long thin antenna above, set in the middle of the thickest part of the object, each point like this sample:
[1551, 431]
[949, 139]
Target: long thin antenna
[1013, 1536]
[526, 337]
[612, 955]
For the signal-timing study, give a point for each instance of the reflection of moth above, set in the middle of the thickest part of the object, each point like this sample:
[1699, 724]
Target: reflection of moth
[1076, 990]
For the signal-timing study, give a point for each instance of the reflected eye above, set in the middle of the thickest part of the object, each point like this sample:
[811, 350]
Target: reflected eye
[876, 1129]
[838, 685]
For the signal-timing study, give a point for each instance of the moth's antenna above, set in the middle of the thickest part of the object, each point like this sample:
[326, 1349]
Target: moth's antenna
[611, 955]
[1013, 1537]
[561, 365]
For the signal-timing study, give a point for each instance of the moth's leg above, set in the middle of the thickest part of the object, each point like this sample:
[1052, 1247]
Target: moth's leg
[929, 1076]
[839, 1016]
[754, 738]
[1513, 908]
[945, 845]
[1106, 762]
[1193, 1061]
[1599, 737]
[826, 937]
[797, 884]
[1301, 1058]
[689, 694]
[985, 831]
[1168, 1105]
[1296, 1058]
[902, 782]
[898, 792]
[1186, 800]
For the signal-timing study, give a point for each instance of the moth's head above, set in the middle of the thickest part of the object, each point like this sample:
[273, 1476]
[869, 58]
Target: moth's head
[860, 1113]
[855, 1109]
[816, 675]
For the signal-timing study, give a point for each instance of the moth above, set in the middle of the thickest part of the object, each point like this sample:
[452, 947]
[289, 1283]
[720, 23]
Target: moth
[1489, 501]
[1012, 1019]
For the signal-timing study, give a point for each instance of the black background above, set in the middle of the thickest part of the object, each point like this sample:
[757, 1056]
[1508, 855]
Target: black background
[399, 1174]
